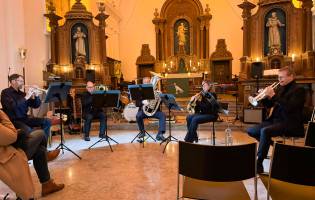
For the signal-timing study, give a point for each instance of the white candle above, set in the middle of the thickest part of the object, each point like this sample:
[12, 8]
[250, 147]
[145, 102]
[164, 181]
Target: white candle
[190, 63]
[293, 57]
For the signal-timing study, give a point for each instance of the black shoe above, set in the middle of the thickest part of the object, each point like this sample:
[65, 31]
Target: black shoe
[101, 135]
[141, 135]
[160, 137]
[87, 138]
[260, 168]
[196, 139]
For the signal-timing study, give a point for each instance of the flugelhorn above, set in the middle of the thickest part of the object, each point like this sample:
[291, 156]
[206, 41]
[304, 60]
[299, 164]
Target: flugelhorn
[254, 100]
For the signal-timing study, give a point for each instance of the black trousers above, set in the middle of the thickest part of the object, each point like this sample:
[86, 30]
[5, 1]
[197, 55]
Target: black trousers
[35, 148]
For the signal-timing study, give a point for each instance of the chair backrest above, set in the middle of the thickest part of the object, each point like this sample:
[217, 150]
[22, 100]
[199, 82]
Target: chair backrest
[217, 163]
[293, 164]
[310, 134]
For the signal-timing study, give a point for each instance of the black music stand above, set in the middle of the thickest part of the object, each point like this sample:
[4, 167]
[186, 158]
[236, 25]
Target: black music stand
[170, 103]
[57, 92]
[106, 99]
[139, 93]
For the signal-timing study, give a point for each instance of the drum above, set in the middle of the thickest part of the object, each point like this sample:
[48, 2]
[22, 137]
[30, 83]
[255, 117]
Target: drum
[130, 112]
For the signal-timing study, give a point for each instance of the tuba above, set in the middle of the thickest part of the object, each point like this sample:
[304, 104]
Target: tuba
[152, 105]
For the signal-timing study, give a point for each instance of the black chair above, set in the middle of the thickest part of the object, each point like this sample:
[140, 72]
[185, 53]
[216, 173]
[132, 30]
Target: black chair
[292, 173]
[215, 172]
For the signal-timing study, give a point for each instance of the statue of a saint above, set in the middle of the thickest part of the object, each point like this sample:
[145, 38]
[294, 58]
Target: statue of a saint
[79, 42]
[181, 34]
[274, 35]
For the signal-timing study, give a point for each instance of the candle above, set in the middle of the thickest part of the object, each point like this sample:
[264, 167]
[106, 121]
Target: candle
[190, 63]
[198, 64]
[293, 57]
[171, 64]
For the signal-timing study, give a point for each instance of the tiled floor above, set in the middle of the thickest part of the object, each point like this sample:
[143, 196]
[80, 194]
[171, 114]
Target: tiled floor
[131, 172]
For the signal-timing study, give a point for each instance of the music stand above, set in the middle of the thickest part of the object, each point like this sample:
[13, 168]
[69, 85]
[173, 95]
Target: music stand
[138, 93]
[170, 103]
[57, 92]
[105, 99]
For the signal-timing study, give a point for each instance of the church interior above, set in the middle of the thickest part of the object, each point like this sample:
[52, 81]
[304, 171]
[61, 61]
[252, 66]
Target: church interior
[239, 48]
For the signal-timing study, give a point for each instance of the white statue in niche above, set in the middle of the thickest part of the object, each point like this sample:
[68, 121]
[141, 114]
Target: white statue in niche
[79, 42]
[181, 34]
[274, 40]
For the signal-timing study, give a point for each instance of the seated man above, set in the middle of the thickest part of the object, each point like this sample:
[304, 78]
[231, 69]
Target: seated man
[158, 115]
[287, 104]
[34, 146]
[15, 104]
[204, 108]
[89, 112]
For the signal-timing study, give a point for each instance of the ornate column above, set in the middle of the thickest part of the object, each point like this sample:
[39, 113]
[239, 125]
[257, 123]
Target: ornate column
[204, 23]
[307, 8]
[160, 41]
[101, 17]
[246, 14]
[53, 24]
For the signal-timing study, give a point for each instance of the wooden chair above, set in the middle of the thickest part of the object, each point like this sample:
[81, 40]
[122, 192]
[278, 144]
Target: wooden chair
[215, 172]
[292, 173]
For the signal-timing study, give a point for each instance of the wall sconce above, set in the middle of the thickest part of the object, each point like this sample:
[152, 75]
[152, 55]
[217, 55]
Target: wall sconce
[293, 57]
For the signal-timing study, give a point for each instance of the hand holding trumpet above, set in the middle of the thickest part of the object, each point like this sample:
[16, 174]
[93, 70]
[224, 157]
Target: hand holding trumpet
[33, 91]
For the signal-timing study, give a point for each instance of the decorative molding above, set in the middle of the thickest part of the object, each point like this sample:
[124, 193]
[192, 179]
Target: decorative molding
[221, 52]
[145, 57]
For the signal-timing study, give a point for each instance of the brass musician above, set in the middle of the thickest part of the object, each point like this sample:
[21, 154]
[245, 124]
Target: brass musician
[203, 107]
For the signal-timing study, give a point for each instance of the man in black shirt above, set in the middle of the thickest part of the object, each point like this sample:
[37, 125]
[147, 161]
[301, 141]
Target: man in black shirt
[287, 116]
[15, 104]
[90, 112]
[205, 110]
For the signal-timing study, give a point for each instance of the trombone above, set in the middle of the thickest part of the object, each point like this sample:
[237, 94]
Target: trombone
[254, 100]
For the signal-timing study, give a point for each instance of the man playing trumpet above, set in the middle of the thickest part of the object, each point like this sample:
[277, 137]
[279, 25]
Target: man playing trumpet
[16, 103]
[287, 116]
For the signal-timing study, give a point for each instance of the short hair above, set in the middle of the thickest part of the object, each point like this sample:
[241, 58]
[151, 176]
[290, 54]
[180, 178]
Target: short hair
[288, 69]
[14, 77]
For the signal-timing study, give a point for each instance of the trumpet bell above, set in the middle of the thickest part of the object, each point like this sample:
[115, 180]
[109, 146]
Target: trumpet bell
[253, 101]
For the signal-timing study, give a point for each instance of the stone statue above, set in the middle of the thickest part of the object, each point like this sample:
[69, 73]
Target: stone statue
[79, 42]
[181, 34]
[273, 24]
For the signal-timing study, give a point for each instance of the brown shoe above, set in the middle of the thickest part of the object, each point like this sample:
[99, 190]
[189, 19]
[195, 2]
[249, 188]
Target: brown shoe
[52, 155]
[51, 187]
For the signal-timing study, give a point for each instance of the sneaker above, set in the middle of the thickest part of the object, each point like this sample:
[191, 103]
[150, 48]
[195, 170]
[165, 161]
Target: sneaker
[87, 138]
[160, 137]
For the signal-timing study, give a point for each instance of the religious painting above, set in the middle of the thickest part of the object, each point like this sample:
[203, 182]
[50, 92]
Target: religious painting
[275, 32]
[80, 42]
[178, 86]
[181, 37]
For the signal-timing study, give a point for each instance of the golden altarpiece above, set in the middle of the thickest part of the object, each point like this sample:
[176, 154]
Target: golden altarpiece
[78, 47]
[277, 35]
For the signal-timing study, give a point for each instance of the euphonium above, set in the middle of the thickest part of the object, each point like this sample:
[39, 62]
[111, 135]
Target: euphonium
[152, 106]
[254, 100]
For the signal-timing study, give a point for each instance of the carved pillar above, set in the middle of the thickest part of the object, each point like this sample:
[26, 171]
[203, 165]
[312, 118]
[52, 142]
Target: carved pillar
[204, 39]
[101, 17]
[307, 7]
[246, 14]
[53, 24]
[159, 27]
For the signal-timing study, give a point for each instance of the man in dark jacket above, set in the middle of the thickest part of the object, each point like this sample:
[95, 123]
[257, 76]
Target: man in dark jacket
[205, 108]
[287, 116]
[90, 112]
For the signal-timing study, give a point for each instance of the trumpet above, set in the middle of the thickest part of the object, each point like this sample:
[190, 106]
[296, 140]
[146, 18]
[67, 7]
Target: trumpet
[35, 89]
[254, 100]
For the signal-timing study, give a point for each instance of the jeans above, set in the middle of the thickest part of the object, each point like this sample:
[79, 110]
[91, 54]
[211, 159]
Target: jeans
[263, 133]
[192, 124]
[88, 121]
[35, 149]
[29, 123]
[157, 115]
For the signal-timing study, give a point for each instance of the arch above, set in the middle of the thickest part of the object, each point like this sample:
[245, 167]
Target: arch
[197, 4]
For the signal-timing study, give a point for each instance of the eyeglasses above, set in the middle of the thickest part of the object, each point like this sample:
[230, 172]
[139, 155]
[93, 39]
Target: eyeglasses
[90, 87]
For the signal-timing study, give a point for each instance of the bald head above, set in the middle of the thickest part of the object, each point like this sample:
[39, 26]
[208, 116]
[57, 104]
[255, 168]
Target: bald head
[90, 86]
[146, 80]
